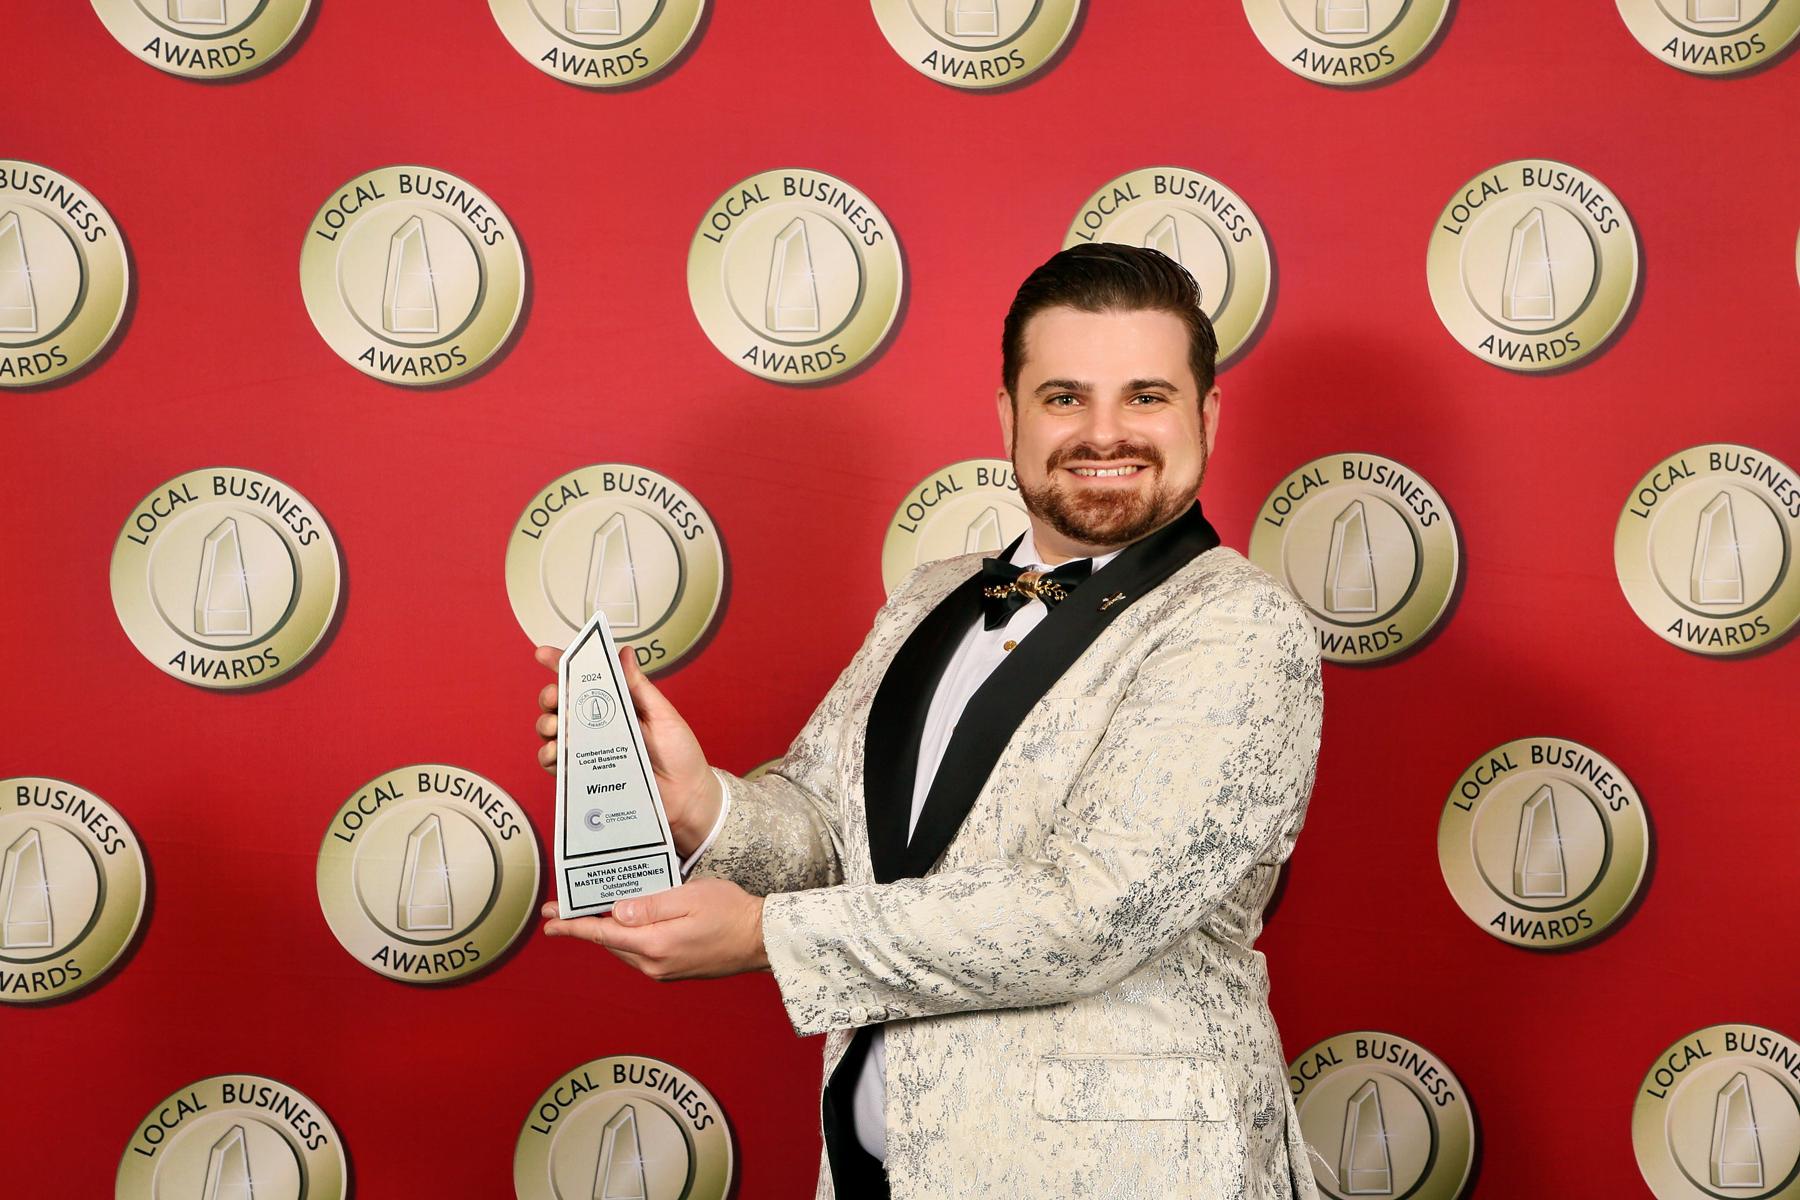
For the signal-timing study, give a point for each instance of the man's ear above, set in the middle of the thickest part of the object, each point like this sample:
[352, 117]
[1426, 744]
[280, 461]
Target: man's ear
[1003, 404]
[1209, 418]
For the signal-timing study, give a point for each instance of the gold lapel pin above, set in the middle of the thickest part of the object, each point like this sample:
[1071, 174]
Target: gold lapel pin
[1111, 600]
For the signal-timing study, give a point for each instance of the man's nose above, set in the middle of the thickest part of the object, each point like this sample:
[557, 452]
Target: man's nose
[1105, 425]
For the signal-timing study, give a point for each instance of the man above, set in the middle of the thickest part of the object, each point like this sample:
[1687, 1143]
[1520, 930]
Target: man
[1014, 865]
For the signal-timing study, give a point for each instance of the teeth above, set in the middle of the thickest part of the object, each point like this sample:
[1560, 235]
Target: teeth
[1097, 471]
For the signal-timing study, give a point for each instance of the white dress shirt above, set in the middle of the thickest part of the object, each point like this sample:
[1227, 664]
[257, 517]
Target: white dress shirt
[976, 657]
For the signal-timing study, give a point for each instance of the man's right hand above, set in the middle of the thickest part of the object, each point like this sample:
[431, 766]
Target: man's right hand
[691, 793]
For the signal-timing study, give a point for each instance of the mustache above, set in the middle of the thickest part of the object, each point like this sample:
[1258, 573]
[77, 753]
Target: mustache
[1142, 452]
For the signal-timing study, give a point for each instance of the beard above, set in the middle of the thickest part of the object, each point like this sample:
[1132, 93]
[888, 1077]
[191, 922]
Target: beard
[1109, 517]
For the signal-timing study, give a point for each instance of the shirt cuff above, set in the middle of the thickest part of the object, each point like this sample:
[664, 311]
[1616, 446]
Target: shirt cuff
[687, 864]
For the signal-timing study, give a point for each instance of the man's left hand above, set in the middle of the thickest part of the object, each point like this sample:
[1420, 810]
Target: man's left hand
[700, 930]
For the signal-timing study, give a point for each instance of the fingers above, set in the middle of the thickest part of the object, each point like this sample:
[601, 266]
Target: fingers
[549, 656]
[546, 725]
[547, 698]
[644, 697]
[547, 756]
[647, 910]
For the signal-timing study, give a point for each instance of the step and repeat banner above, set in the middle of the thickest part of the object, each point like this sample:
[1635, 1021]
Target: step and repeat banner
[350, 350]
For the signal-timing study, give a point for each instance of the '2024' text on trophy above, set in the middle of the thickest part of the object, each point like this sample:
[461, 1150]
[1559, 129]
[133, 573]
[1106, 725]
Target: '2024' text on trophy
[612, 836]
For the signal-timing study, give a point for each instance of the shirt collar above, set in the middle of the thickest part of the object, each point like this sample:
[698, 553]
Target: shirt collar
[1026, 555]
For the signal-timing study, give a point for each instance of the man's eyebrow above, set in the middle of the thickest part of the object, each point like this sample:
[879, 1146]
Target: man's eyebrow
[1062, 385]
[1151, 384]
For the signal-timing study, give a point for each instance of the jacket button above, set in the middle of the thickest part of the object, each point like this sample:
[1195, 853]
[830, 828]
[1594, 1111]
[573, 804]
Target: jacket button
[859, 1015]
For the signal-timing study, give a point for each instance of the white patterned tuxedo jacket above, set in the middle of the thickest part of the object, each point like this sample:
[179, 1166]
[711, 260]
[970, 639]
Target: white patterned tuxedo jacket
[1062, 953]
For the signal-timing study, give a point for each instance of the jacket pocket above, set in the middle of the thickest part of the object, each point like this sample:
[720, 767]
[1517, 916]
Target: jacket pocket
[1130, 1087]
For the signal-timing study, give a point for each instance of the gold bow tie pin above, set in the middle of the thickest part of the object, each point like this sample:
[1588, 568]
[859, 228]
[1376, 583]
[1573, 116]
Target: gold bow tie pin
[1033, 585]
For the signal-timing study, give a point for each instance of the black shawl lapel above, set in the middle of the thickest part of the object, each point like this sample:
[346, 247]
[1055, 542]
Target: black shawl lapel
[897, 721]
[1016, 685]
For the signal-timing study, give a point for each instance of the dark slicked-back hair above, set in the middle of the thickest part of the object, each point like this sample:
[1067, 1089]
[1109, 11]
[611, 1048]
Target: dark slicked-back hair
[1103, 277]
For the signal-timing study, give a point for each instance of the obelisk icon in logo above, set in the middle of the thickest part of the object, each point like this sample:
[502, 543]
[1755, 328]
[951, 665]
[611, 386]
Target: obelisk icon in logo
[793, 299]
[1539, 867]
[198, 12]
[984, 532]
[426, 903]
[1530, 291]
[1364, 1165]
[593, 17]
[222, 599]
[1709, 11]
[972, 18]
[1718, 573]
[408, 297]
[1736, 1158]
[228, 1169]
[26, 921]
[1343, 16]
[620, 1174]
[18, 302]
[1350, 563]
[1164, 237]
[611, 575]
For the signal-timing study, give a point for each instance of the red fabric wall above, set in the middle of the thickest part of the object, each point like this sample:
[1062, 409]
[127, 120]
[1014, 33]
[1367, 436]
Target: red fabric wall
[217, 363]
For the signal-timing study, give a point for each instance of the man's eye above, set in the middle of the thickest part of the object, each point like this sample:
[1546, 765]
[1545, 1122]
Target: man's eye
[1148, 396]
[1059, 398]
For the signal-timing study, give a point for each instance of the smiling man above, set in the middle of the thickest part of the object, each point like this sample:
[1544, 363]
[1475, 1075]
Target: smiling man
[1015, 864]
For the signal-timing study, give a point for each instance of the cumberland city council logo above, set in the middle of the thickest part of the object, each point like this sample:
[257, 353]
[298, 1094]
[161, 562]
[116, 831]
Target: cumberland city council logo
[1201, 224]
[1346, 42]
[63, 275]
[624, 1128]
[1368, 546]
[1705, 549]
[225, 578]
[1382, 1116]
[599, 43]
[624, 541]
[969, 507]
[1532, 265]
[246, 1137]
[976, 43]
[412, 275]
[204, 39]
[795, 276]
[1718, 1117]
[1543, 842]
[1712, 37]
[71, 888]
[428, 873]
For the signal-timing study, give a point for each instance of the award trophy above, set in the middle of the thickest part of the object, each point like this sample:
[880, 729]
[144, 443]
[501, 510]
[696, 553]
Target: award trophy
[612, 836]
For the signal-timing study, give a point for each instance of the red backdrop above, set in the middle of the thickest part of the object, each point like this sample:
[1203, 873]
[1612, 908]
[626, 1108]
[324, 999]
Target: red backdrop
[217, 363]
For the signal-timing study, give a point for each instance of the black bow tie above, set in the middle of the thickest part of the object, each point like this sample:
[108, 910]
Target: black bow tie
[1005, 589]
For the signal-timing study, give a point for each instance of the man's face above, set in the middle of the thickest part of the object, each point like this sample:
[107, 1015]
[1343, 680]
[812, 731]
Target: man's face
[1106, 392]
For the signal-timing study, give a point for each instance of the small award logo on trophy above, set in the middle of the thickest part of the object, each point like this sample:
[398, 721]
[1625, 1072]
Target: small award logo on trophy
[612, 836]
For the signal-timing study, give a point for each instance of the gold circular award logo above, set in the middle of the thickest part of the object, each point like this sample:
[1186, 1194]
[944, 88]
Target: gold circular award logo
[71, 888]
[599, 43]
[428, 873]
[225, 578]
[1382, 1116]
[412, 275]
[1543, 842]
[795, 276]
[976, 44]
[624, 1126]
[234, 1135]
[1199, 223]
[63, 275]
[1345, 42]
[1532, 265]
[968, 507]
[204, 39]
[1705, 549]
[627, 542]
[1712, 37]
[1368, 546]
[1718, 1117]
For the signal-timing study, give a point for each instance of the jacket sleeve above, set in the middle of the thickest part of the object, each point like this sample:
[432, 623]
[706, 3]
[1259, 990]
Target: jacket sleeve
[1206, 764]
[783, 831]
